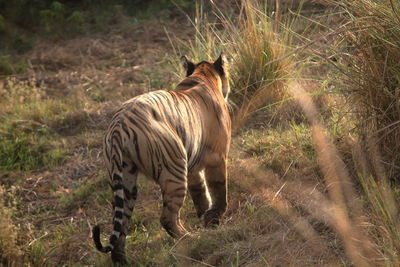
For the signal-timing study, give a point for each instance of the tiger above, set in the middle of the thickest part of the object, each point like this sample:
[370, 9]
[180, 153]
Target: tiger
[179, 138]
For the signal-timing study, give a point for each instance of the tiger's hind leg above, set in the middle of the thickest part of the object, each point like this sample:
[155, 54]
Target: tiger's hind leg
[198, 192]
[173, 187]
[216, 177]
[130, 174]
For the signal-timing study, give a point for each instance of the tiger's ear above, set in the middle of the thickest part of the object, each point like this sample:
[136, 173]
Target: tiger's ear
[187, 65]
[220, 64]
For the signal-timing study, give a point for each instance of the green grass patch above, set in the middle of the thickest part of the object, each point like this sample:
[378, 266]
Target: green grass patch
[12, 65]
[88, 192]
[27, 140]
[21, 151]
[37, 253]
[33, 127]
[282, 147]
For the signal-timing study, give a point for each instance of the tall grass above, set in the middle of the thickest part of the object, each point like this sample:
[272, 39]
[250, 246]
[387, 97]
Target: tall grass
[341, 195]
[367, 55]
[259, 73]
[368, 60]
[259, 68]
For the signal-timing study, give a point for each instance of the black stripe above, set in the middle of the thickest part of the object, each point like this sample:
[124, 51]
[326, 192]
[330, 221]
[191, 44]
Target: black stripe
[189, 83]
[117, 178]
[131, 195]
[106, 147]
[131, 120]
[179, 195]
[176, 105]
[113, 239]
[159, 170]
[193, 127]
[125, 128]
[166, 163]
[174, 181]
[175, 172]
[155, 114]
[215, 110]
[188, 108]
[179, 189]
[196, 159]
[133, 170]
[201, 97]
[119, 202]
[116, 135]
[118, 214]
[117, 226]
[116, 159]
[118, 187]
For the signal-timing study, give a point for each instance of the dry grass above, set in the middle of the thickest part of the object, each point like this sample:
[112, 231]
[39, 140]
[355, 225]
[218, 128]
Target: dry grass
[259, 71]
[10, 252]
[367, 55]
[345, 205]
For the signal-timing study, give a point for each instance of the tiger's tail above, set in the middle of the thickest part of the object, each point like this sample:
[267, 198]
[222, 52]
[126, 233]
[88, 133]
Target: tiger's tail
[118, 195]
[97, 242]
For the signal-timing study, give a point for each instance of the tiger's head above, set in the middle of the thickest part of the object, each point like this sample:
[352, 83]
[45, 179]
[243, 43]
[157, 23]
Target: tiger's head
[218, 67]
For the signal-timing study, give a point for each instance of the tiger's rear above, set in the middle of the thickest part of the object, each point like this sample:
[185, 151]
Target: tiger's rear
[180, 139]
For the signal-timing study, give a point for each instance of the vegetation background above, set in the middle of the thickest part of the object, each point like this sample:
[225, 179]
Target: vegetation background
[315, 159]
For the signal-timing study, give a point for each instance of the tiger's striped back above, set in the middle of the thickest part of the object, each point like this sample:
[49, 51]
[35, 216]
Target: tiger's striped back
[172, 137]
